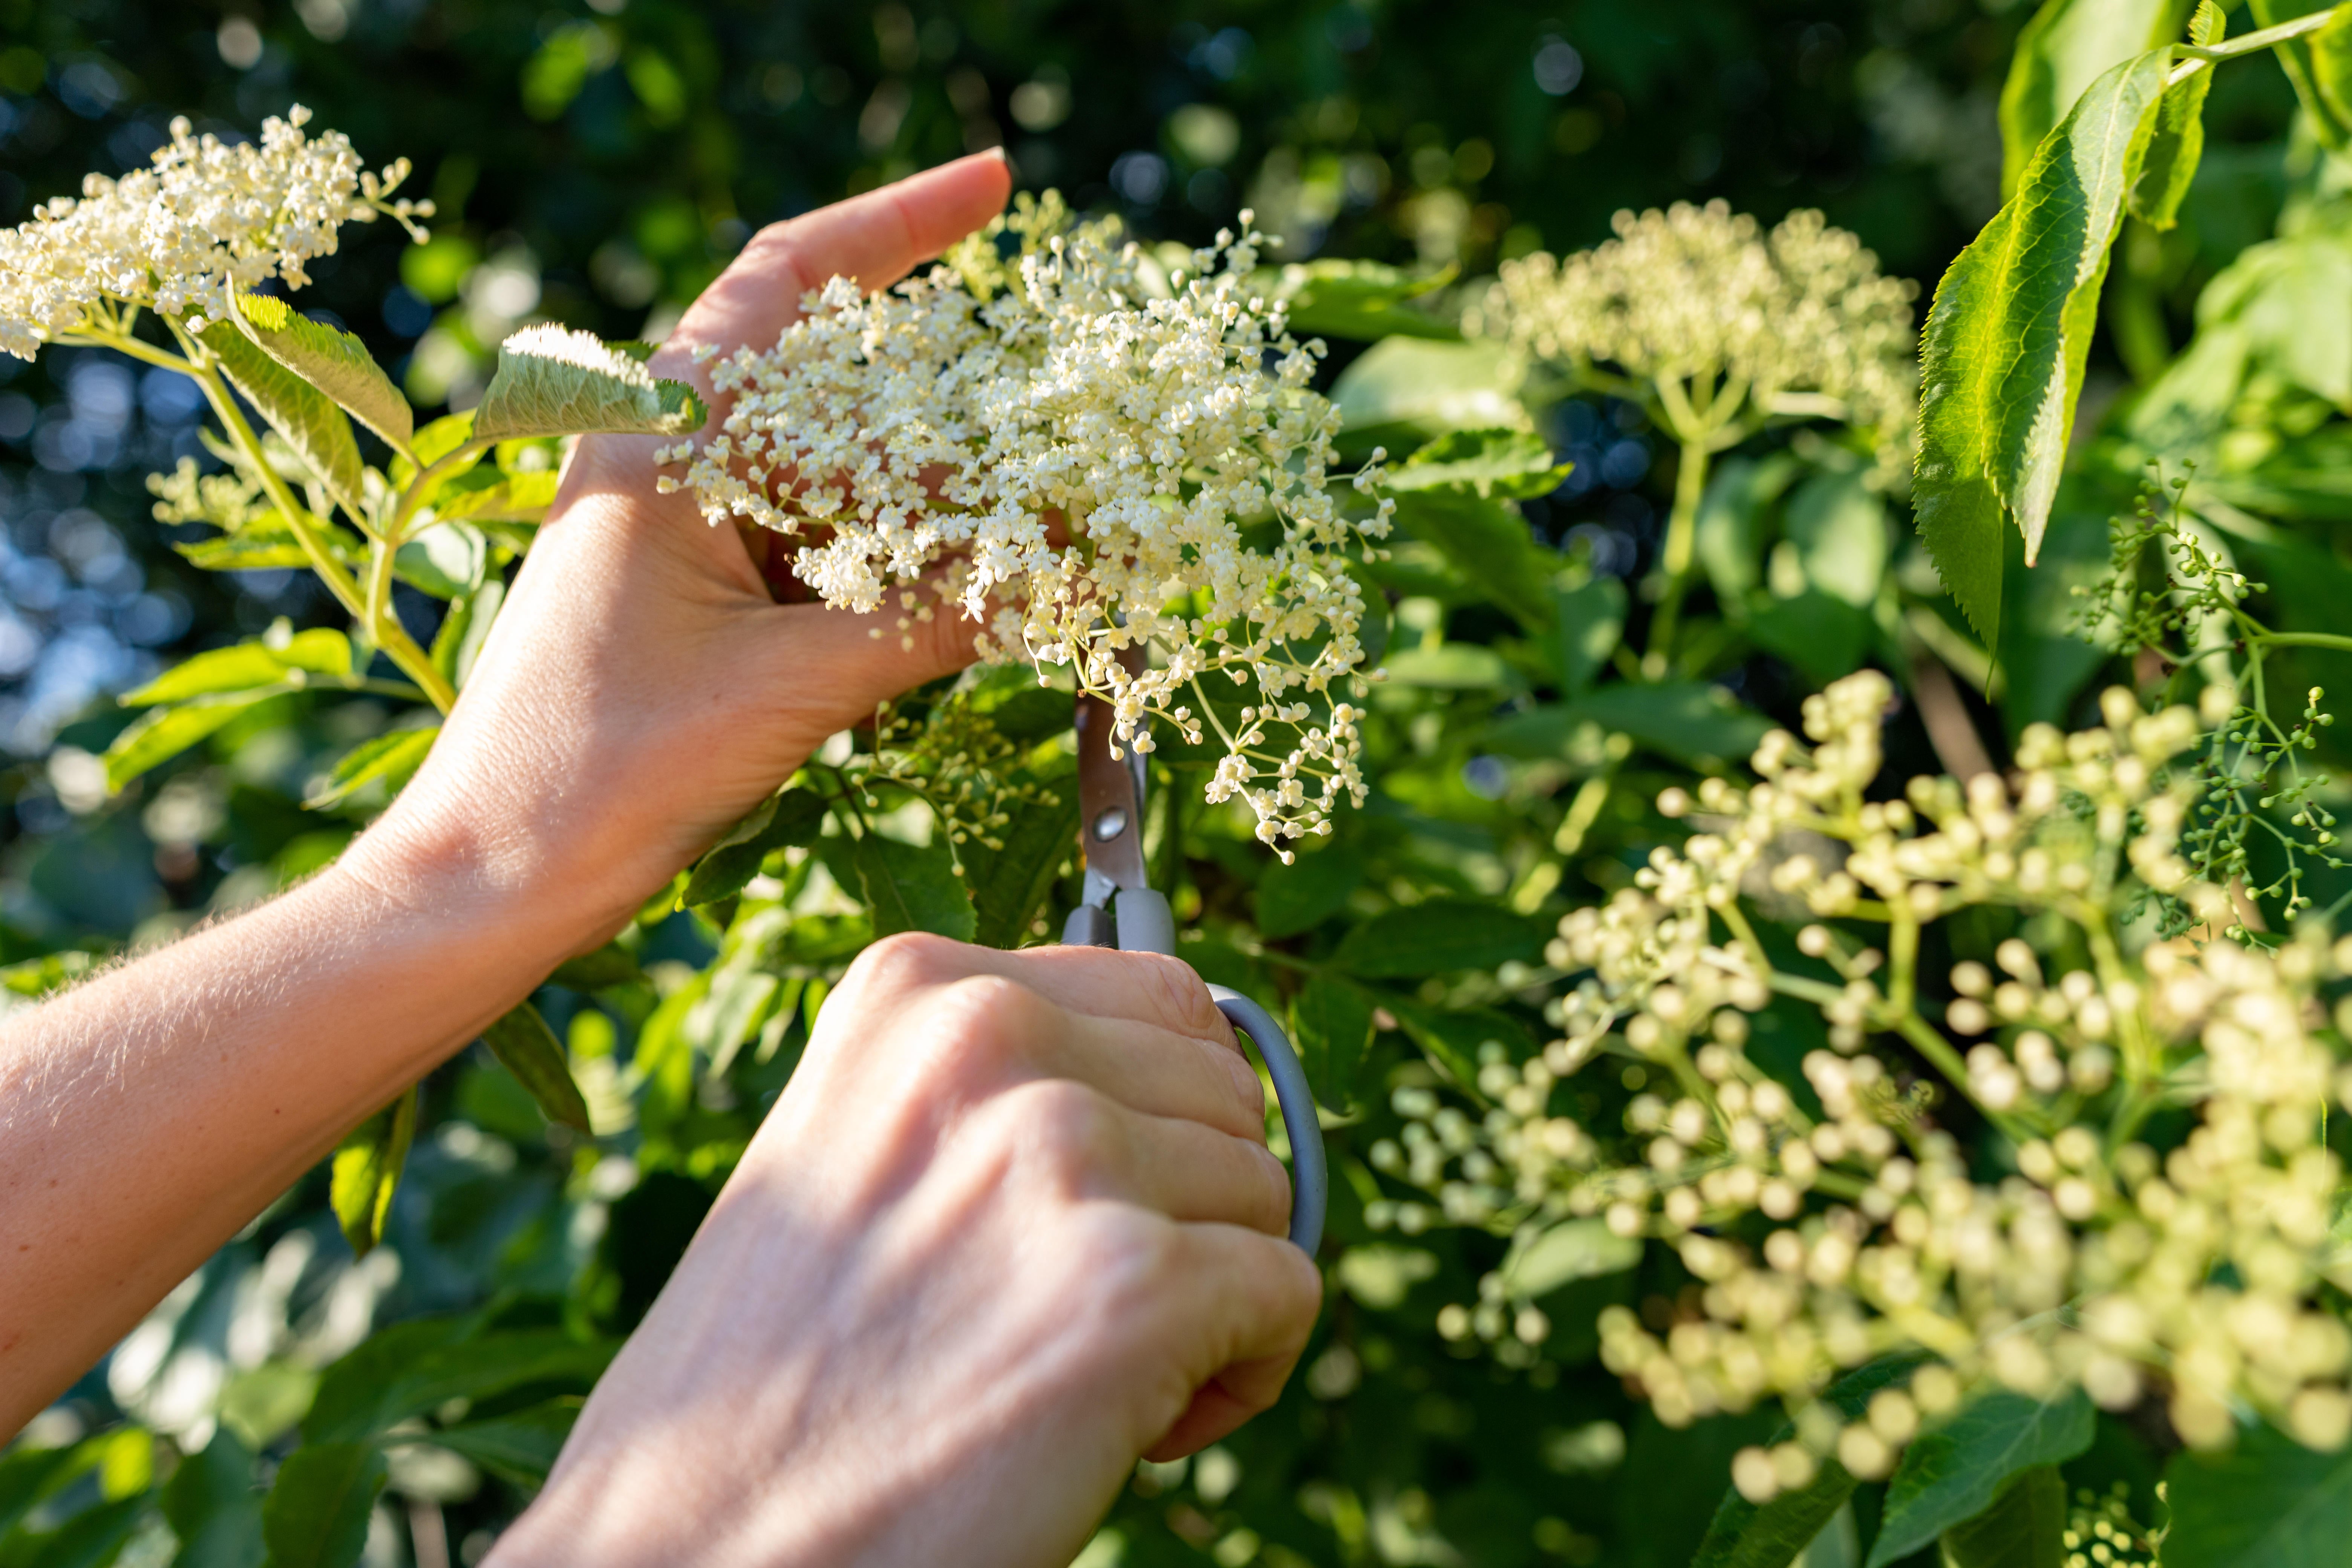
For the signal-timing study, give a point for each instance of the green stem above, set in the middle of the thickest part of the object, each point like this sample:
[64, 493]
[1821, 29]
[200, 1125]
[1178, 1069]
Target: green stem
[2304, 639]
[1674, 562]
[2195, 57]
[389, 634]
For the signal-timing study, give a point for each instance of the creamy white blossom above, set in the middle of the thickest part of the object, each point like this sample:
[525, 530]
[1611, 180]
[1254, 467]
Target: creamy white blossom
[208, 218]
[1106, 457]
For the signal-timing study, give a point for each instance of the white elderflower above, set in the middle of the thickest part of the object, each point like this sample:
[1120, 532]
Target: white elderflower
[1107, 458]
[206, 218]
[1722, 318]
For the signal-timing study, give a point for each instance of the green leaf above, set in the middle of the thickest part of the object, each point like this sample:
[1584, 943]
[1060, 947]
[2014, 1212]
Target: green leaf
[1009, 886]
[1454, 1039]
[528, 1048]
[1951, 1472]
[1360, 300]
[2318, 63]
[1510, 464]
[432, 443]
[29, 1475]
[415, 1367]
[2177, 143]
[1332, 1021]
[1541, 1262]
[212, 1506]
[392, 758]
[551, 380]
[912, 888]
[611, 964]
[728, 867]
[1839, 528]
[366, 1172]
[251, 551]
[2025, 1528]
[304, 417]
[1590, 622]
[2067, 46]
[447, 560]
[331, 360]
[1488, 542]
[1309, 891]
[2002, 357]
[522, 1448]
[1452, 667]
[465, 629]
[517, 497]
[1438, 936]
[1746, 1535]
[1402, 391]
[90, 1539]
[159, 736]
[316, 1514]
[2266, 1502]
[1824, 637]
[1693, 722]
[248, 665]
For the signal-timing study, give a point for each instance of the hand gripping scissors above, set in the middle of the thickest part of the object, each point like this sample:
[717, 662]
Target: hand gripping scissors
[1119, 909]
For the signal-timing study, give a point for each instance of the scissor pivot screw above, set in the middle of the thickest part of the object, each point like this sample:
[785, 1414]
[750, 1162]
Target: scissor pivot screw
[1109, 824]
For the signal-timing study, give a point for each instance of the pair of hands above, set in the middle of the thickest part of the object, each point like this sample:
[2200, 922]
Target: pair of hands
[1012, 1224]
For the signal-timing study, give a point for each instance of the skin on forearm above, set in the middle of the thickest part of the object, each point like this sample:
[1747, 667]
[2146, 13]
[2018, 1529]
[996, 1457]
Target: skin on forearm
[146, 1115]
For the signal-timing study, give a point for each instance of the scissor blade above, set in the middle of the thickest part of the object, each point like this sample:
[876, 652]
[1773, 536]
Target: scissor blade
[1110, 804]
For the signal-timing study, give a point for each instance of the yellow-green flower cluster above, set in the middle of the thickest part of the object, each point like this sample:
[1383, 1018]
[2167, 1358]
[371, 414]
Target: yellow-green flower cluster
[208, 217]
[1086, 437]
[1837, 1220]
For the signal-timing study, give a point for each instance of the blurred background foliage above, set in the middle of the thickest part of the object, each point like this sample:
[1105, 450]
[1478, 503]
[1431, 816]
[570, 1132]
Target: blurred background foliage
[596, 163]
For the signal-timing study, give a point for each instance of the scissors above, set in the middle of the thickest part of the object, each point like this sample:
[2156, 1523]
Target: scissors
[1119, 909]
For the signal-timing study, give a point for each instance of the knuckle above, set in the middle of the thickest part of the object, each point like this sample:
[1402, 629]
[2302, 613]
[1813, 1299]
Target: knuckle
[1062, 1131]
[1181, 995]
[903, 962]
[988, 1021]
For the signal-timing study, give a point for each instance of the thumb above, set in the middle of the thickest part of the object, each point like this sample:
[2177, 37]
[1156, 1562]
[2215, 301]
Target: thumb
[844, 663]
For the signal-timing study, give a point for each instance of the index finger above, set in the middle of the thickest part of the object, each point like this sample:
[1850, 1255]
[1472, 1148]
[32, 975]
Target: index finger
[874, 239]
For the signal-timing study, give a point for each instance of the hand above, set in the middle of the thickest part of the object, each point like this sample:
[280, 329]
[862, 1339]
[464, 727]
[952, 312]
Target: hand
[1012, 1224]
[641, 691]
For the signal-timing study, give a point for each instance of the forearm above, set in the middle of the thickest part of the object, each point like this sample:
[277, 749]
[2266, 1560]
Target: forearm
[148, 1115]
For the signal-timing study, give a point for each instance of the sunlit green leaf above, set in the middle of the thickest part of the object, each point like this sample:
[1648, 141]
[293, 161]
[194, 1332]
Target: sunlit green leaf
[1488, 542]
[2319, 65]
[316, 1514]
[447, 560]
[2066, 46]
[265, 661]
[912, 888]
[331, 360]
[305, 418]
[2177, 143]
[1364, 300]
[2003, 353]
[391, 758]
[528, 1048]
[159, 736]
[1510, 464]
[1010, 885]
[554, 382]
[517, 497]
[1402, 391]
[415, 1368]
[366, 1173]
[1590, 622]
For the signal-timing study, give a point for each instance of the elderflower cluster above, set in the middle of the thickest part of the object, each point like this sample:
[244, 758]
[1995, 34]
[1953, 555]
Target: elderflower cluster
[1708, 308]
[1831, 1221]
[1111, 458]
[208, 217]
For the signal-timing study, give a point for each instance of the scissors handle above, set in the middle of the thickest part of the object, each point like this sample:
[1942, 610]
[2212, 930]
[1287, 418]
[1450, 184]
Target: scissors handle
[1143, 924]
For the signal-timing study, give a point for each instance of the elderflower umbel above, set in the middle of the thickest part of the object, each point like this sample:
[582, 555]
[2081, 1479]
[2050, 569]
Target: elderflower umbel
[1819, 1239]
[1104, 459]
[175, 237]
[1715, 313]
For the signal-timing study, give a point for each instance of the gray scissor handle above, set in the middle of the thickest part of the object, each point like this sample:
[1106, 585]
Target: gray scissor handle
[1143, 924]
